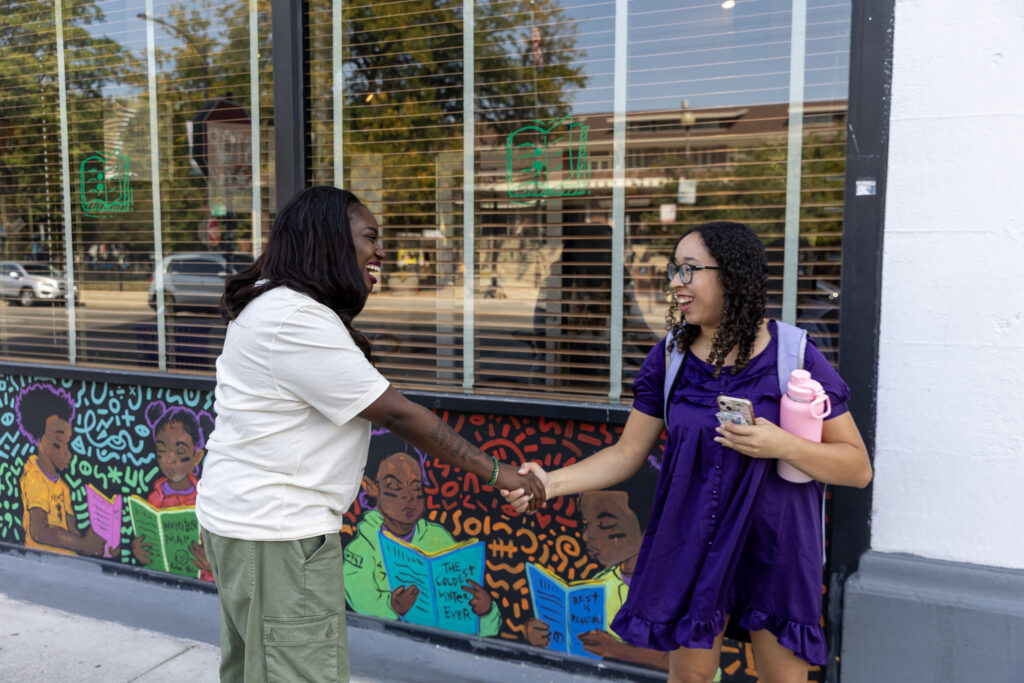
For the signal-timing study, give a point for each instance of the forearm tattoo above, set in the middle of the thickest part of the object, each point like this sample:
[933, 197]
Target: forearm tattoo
[459, 451]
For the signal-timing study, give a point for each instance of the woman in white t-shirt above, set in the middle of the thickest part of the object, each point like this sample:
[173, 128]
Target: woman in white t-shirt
[296, 393]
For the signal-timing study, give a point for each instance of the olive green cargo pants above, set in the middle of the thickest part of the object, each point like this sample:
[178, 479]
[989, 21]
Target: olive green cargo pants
[282, 609]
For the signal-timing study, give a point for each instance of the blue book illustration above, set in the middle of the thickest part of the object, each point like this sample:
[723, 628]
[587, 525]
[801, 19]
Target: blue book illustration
[440, 576]
[569, 609]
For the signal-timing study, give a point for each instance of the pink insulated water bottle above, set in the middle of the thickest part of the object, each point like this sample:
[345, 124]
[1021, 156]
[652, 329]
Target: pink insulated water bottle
[804, 408]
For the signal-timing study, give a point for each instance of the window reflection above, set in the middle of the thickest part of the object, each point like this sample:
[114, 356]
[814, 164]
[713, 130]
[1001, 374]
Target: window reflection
[706, 134]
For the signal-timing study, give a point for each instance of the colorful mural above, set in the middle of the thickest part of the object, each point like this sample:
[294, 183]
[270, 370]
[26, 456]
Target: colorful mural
[103, 470]
[107, 470]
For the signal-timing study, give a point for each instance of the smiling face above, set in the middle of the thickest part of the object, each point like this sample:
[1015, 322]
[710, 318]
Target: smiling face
[176, 453]
[366, 241]
[612, 531]
[399, 492]
[53, 445]
[702, 299]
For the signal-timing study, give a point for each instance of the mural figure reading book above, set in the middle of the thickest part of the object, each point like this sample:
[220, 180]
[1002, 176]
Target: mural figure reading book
[296, 393]
[178, 436]
[730, 542]
[44, 415]
[443, 579]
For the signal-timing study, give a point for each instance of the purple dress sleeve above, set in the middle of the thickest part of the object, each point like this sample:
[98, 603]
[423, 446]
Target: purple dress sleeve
[649, 385]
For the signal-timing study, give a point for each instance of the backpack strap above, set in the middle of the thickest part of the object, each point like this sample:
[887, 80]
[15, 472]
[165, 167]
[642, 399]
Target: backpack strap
[673, 363]
[792, 345]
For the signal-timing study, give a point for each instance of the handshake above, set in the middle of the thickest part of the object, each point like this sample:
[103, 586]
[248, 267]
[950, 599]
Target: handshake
[522, 499]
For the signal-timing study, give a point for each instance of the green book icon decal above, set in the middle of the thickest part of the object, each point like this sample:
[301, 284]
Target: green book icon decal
[547, 160]
[105, 192]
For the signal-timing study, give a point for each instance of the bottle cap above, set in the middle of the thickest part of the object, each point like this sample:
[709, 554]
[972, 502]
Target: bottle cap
[802, 388]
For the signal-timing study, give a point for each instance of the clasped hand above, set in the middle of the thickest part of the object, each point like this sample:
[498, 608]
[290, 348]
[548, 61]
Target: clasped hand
[522, 498]
[763, 439]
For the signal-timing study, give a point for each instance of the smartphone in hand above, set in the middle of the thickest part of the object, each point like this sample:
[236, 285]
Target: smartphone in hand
[735, 410]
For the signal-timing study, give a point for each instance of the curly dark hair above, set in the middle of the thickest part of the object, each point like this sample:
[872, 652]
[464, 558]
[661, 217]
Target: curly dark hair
[39, 402]
[743, 272]
[310, 251]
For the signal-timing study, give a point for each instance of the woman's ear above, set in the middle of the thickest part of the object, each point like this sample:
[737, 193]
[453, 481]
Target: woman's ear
[198, 457]
[370, 487]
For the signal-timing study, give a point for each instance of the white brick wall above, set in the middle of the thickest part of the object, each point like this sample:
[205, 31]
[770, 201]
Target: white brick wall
[949, 461]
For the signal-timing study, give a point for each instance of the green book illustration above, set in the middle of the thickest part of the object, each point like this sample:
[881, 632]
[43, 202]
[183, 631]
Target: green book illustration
[569, 609]
[170, 532]
[440, 576]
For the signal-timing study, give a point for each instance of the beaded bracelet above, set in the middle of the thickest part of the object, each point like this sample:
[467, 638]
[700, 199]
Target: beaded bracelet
[494, 476]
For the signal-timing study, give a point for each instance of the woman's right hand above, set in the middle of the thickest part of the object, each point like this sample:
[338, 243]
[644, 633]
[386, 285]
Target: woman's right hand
[523, 498]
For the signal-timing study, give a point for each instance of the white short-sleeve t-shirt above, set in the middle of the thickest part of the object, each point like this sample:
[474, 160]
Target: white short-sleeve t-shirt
[287, 454]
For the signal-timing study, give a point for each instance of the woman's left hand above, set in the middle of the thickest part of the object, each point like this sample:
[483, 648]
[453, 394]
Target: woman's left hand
[763, 439]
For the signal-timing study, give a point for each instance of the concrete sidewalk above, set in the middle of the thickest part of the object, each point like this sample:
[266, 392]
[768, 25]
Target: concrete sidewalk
[41, 643]
[72, 619]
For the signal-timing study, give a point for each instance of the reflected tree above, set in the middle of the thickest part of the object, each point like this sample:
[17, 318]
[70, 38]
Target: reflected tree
[30, 178]
[404, 80]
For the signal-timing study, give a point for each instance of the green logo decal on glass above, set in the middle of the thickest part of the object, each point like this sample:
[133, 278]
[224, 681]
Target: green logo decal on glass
[102, 191]
[547, 160]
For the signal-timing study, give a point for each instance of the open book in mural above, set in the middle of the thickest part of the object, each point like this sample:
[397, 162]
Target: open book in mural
[170, 532]
[105, 516]
[439, 576]
[569, 609]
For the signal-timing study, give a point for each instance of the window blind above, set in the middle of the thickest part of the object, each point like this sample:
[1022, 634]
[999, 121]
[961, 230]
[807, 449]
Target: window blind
[177, 194]
[705, 134]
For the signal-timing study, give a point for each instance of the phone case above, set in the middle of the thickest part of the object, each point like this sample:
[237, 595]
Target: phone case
[725, 416]
[736, 406]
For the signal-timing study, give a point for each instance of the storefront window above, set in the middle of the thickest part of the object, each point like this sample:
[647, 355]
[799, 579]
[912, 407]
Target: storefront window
[132, 171]
[527, 225]
[567, 292]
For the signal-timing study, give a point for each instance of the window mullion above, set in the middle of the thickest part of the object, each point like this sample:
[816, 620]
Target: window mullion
[65, 172]
[618, 200]
[158, 248]
[794, 155]
[468, 196]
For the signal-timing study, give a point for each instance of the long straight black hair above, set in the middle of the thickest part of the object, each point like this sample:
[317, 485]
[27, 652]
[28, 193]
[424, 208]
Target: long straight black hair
[310, 250]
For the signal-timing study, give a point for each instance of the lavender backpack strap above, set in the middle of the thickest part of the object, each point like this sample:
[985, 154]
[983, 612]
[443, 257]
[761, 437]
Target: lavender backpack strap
[792, 344]
[792, 347]
[673, 362]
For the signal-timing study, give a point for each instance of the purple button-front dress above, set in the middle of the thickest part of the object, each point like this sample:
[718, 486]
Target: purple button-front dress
[727, 535]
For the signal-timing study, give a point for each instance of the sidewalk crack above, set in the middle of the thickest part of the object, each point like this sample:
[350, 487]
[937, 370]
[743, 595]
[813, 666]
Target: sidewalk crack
[160, 664]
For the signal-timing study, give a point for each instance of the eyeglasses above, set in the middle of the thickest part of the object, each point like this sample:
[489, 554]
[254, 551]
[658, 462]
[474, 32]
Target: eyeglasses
[685, 271]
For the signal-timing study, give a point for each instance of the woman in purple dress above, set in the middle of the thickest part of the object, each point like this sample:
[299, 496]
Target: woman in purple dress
[728, 540]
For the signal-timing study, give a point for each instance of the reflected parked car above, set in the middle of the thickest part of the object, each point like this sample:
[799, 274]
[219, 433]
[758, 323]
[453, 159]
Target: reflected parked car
[28, 283]
[195, 279]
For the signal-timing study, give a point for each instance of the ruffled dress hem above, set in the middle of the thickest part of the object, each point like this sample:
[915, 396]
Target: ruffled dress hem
[805, 640]
[687, 632]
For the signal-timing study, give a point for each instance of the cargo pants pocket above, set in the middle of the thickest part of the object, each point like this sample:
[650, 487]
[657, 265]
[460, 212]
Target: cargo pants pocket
[301, 648]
